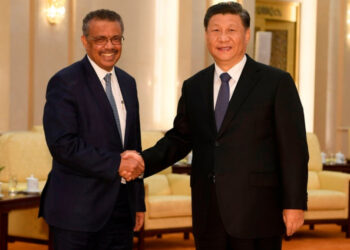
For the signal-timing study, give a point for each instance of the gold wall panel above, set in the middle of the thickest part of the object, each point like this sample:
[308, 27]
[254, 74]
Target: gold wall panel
[283, 11]
[282, 20]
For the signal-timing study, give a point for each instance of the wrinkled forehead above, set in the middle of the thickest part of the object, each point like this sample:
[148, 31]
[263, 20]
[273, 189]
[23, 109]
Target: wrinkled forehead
[104, 26]
[226, 19]
[99, 25]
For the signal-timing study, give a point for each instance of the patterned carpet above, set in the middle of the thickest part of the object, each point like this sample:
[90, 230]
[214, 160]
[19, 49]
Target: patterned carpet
[324, 237]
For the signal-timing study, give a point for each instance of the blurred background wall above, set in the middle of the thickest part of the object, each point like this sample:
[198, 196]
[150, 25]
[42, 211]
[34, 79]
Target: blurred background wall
[165, 45]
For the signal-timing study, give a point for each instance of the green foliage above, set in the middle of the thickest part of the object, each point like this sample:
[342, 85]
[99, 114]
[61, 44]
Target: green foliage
[1, 168]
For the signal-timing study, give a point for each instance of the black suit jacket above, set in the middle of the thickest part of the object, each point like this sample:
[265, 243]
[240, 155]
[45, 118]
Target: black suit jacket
[259, 156]
[82, 136]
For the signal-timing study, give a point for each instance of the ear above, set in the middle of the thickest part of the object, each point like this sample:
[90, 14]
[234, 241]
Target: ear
[247, 35]
[84, 41]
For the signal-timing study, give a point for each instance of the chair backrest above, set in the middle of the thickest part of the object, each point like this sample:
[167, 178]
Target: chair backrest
[158, 184]
[148, 139]
[24, 153]
[315, 161]
[179, 184]
[38, 128]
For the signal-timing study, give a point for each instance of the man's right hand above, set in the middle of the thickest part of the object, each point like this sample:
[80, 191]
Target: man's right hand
[131, 165]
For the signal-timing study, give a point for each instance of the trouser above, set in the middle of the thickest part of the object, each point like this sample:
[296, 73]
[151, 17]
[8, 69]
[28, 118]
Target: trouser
[215, 236]
[116, 234]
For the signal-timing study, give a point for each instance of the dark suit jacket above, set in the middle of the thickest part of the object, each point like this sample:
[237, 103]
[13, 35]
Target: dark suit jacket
[259, 156]
[83, 138]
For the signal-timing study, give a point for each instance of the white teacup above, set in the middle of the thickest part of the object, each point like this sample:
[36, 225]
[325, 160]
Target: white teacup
[32, 184]
[323, 157]
[339, 158]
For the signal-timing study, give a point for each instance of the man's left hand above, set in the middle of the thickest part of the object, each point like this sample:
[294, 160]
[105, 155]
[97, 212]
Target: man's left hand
[139, 219]
[293, 219]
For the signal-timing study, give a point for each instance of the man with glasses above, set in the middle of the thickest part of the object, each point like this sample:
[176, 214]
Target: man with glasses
[91, 116]
[245, 124]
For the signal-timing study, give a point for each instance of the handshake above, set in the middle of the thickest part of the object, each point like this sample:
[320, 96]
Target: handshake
[131, 165]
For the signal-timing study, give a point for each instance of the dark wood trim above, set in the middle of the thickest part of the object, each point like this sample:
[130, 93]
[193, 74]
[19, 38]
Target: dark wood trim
[26, 239]
[345, 168]
[3, 233]
[152, 232]
[348, 231]
[326, 221]
[182, 168]
[10, 203]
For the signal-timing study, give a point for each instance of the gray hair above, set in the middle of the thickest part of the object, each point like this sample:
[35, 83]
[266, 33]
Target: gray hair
[101, 14]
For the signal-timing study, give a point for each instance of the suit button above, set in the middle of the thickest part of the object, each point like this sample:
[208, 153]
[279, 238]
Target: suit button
[217, 144]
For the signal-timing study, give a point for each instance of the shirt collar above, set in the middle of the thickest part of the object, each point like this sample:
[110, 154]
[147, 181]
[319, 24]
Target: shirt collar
[101, 73]
[235, 71]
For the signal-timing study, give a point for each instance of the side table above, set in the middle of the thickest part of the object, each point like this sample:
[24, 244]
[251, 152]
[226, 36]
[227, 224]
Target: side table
[10, 203]
[181, 168]
[345, 168]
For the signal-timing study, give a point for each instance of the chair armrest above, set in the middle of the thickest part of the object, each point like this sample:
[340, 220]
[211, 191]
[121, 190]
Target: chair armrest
[146, 190]
[334, 181]
[179, 184]
[158, 184]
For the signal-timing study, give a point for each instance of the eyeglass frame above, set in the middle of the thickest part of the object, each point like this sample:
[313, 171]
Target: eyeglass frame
[104, 40]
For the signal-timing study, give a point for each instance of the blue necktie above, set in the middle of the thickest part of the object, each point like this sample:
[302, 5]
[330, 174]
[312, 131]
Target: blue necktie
[222, 100]
[111, 100]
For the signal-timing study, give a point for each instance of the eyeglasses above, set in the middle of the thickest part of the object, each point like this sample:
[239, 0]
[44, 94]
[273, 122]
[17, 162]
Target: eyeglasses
[102, 40]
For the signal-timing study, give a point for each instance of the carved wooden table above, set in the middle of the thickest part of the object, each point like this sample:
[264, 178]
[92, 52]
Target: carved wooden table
[345, 168]
[10, 203]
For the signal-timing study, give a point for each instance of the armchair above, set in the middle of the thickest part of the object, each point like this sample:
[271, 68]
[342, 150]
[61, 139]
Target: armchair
[328, 192]
[24, 153]
[168, 199]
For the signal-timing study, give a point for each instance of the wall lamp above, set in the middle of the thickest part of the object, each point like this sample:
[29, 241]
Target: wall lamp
[55, 11]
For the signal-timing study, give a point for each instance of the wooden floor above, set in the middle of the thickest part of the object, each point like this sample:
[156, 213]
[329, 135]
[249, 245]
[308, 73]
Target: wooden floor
[324, 237]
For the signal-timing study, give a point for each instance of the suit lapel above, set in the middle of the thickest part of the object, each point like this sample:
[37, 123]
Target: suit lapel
[99, 93]
[207, 92]
[244, 87]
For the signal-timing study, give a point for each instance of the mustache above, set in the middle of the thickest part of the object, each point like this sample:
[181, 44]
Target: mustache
[110, 51]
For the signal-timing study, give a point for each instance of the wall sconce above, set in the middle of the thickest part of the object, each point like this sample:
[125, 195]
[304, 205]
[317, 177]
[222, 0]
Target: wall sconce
[55, 11]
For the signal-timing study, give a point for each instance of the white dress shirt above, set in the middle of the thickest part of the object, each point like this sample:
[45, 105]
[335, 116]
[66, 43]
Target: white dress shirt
[117, 94]
[235, 73]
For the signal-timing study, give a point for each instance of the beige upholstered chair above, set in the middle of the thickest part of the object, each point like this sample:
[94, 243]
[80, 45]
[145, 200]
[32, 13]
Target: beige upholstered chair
[328, 192]
[168, 199]
[24, 153]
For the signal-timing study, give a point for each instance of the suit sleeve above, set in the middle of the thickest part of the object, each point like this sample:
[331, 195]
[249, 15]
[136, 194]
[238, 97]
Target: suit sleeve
[62, 135]
[174, 146]
[292, 144]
